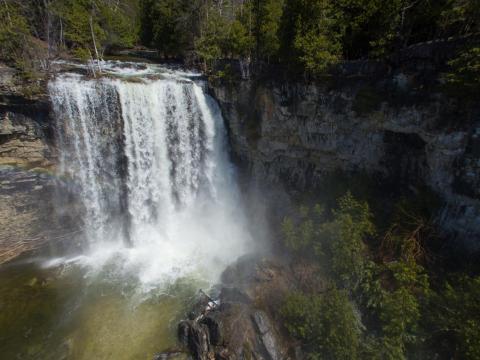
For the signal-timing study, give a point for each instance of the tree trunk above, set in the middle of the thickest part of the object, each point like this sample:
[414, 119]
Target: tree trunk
[47, 30]
[61, 35]
[95, 44]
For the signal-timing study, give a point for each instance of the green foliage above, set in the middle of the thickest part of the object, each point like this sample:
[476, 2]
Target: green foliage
[120, 23]
[239, 42]
[400, 307]
[306, 36]
[99, 24]
[211, 29]
[210, 43]
[19, 48]
[14, 33]
[326, 322]
[339, 241]
[269, 16]
[76, 16]
[316, 51]
[396, 292]
[466, 71]
[371, 25]
[393, 292]
[311, 35]
[343, 239]
[165, 25]
[460, 17]
[302, 235]
[456, 312]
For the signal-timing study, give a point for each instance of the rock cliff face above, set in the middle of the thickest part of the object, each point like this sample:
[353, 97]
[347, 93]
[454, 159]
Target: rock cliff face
[27, 159]
[24, 136]
[390, 127]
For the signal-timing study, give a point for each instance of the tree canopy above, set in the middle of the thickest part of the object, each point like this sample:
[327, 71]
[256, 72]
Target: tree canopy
[304, 35]
[380, 301]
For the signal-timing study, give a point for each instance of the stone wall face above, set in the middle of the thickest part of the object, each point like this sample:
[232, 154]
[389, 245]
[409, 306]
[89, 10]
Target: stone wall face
[295, 134]
[27, 168]
[23, 141]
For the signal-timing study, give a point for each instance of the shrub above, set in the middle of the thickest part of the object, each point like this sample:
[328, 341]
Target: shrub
[302, 234]
[338, 242]
[14, 34]
[325, 323]
[456, 314]
[397, 302]
[465, 71]
[342, 239]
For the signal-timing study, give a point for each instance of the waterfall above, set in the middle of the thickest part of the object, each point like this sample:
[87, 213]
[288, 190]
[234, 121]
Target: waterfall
[146, 156]
[86, 112]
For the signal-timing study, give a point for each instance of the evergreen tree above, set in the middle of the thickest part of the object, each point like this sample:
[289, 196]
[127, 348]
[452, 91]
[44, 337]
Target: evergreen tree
[310, 33]
[326, 322]
[269, 14]
[14, 31]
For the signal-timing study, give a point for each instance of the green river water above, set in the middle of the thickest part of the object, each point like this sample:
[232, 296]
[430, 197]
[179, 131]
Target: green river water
[64, 312]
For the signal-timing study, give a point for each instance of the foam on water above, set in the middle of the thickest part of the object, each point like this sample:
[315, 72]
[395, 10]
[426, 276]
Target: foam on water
[148, 160]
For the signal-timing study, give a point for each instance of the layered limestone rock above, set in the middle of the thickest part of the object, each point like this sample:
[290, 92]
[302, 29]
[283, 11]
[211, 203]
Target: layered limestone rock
[26, 208]
[27, 159]
[26, 134]
[23, 142]
[295, 134]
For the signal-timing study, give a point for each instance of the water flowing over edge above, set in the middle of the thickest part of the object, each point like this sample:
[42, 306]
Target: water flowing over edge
[147, 157]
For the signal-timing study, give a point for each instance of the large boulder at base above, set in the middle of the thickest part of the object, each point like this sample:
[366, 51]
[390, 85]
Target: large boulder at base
[245, 325]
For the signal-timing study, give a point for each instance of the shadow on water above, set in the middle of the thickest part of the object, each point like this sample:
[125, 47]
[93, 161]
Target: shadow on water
[67, 313]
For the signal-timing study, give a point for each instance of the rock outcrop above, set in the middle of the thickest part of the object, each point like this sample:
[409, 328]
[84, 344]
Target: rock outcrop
[27, 163]
[244, 323]
[23, 141]
[395, 126]
[26, 208]
[26, 133]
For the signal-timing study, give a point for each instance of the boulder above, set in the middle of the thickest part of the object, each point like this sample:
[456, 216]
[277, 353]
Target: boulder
[195, 336]
[242, 326]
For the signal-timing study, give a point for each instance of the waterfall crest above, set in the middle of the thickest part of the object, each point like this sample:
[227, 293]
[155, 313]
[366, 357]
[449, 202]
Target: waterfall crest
[147, 157]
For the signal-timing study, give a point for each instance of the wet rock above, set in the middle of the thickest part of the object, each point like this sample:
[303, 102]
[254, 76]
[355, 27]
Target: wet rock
[270, 344]
[267, 336]
[195, 336]
[23, 142]
[171, 355]
[27, 212]
[262, 322]
[183, 333]
[242, 326]
[214, 330]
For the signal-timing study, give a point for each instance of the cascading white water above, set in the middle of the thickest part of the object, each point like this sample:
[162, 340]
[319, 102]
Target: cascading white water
[147, 157]
[85, 111]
